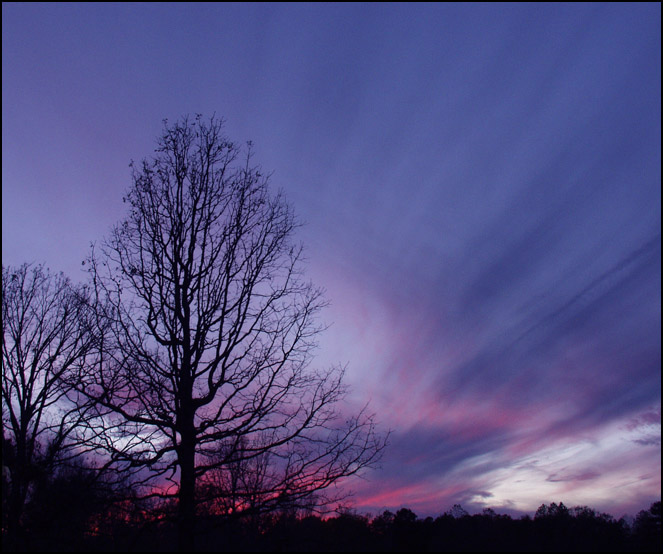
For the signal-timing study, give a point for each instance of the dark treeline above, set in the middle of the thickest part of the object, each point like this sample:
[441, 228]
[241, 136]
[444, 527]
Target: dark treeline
[75, 509]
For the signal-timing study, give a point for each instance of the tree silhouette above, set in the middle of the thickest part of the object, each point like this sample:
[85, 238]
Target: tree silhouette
[457, 511]
[554, 510]
[647, 528]
[211, 325]
[46, 330]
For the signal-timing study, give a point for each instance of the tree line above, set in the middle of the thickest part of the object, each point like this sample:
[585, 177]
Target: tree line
[182, 370]
[73, 511]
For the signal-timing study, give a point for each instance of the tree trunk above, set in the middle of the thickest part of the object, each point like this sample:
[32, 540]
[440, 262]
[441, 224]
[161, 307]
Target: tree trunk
[18, 492]
[186, 495]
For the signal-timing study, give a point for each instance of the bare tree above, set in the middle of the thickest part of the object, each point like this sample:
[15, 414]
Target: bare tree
[45, 332]
[212, 331]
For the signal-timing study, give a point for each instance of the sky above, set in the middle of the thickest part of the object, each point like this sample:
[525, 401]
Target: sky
[481, 191]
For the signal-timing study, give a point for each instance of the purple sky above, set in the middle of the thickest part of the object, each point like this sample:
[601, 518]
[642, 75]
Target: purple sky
[481, 187]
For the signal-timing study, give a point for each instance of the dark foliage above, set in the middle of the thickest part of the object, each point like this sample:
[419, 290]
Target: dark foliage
[46, 330]
[74, 513]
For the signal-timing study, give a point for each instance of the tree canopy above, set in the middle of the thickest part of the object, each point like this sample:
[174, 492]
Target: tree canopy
[204, 368]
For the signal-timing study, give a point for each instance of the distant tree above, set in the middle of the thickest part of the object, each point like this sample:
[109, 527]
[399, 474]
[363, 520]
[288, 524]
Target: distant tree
[382, 524]
[583, 512]
[489, 513]
[405, 516]
[405, 529]
[647, 527]
[552, 511]
[46, 331]
[457, 511]
[212, 328]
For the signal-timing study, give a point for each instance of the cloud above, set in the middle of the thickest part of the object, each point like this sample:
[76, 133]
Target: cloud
[561, 477]
[646, 427]
[653, 441]
[645, 419]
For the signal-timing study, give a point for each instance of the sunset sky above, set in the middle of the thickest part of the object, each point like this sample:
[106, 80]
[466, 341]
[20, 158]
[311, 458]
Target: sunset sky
[481, 187]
